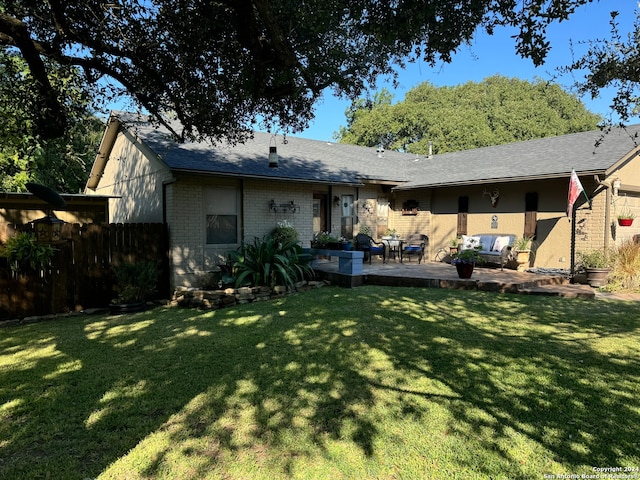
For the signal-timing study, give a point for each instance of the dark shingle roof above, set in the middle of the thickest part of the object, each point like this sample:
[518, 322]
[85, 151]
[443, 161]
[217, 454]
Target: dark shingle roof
[312, 160]
[299, 159]
[541, 158]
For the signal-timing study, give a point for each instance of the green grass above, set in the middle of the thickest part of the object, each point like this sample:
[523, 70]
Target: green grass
[334, 383]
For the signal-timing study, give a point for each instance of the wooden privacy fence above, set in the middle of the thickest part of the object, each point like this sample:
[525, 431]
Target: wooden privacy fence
[81, 274]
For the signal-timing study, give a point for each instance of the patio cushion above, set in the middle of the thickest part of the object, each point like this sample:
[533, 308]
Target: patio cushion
[500, 243]
[469, 242]
[486, 242]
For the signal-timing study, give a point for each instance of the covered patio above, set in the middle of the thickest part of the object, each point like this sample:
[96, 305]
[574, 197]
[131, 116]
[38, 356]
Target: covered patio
[431, 274]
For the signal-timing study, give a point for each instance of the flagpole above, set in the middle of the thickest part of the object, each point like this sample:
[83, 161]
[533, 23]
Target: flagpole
[572, 272]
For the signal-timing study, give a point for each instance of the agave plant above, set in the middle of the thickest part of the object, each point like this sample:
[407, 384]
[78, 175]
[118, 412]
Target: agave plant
[270, 262]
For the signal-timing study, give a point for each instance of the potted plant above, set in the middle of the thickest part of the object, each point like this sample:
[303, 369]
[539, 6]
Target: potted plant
[136, 281]
[366, 230]
[321, 240]
[597, 265]
[390, 234]
[625, 218]
[521, 250]
[465, 261]
[345, 244]
[453, 245]
[285, 232]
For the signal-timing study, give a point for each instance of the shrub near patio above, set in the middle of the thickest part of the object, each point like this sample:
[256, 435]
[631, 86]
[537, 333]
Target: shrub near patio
[374, 382]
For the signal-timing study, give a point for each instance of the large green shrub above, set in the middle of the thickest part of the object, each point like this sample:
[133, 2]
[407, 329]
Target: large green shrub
[268, 262]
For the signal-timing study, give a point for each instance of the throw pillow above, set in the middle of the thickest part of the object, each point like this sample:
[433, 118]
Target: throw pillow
[500, 243]
[469, 242]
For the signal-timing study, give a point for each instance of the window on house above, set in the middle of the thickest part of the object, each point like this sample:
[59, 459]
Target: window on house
[222, 207]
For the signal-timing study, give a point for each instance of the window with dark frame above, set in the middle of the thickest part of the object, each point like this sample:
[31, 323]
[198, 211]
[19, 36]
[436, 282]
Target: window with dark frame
[221, 205]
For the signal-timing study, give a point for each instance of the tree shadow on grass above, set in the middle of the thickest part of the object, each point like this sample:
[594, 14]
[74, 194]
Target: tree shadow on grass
[298, 375]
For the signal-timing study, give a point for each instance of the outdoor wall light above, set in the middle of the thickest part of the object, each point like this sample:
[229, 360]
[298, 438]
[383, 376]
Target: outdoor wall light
[336, 201]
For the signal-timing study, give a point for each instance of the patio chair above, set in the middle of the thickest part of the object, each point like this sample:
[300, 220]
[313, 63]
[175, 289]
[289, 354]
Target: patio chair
[368, 245]
[413, 245]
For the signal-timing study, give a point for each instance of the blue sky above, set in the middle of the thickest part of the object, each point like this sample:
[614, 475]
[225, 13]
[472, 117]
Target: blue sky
[493, 55]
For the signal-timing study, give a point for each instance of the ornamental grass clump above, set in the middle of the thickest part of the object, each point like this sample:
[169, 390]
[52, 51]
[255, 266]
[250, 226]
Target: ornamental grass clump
[625, 271]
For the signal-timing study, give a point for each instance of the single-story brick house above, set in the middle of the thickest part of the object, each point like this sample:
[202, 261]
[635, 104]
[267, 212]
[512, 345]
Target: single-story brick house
[215, 197]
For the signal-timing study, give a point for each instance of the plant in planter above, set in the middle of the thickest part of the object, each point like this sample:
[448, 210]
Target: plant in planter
[389, 234]
[453, 245]
[466, 260]
[136, 282]
[625, 218]
[366, 230]
[521, 250]
[345, 243]
[25, 255]
[597, 265]
[323, 240]
[285, 232]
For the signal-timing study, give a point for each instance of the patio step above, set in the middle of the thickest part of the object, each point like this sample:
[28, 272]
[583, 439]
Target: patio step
[566, 290]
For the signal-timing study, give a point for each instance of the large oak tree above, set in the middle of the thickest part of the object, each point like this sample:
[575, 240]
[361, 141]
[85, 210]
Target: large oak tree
[63, 162]
[221, 65]
[492, 112]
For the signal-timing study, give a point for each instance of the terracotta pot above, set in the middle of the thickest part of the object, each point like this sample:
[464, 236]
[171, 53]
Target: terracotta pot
[464, 270]
[625, 222]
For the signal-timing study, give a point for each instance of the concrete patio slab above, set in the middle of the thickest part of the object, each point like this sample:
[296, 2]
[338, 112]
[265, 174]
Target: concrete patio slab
[443, 275]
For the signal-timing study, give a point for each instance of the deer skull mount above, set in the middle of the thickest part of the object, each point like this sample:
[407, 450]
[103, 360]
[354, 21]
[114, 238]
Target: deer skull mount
[493, 195]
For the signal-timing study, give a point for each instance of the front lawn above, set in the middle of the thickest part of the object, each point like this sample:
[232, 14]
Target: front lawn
[372, 382]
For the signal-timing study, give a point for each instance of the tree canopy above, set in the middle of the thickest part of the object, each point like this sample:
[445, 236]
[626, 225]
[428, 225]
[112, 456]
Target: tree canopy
[613, 62]
[61, 163]
[495, 111]
[222, 66]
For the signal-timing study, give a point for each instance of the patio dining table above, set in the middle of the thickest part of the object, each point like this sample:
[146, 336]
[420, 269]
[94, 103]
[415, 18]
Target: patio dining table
[393, 246]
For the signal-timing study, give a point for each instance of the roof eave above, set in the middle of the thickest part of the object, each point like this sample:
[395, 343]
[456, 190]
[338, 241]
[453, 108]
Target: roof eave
[266, 177]
[499, 180]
